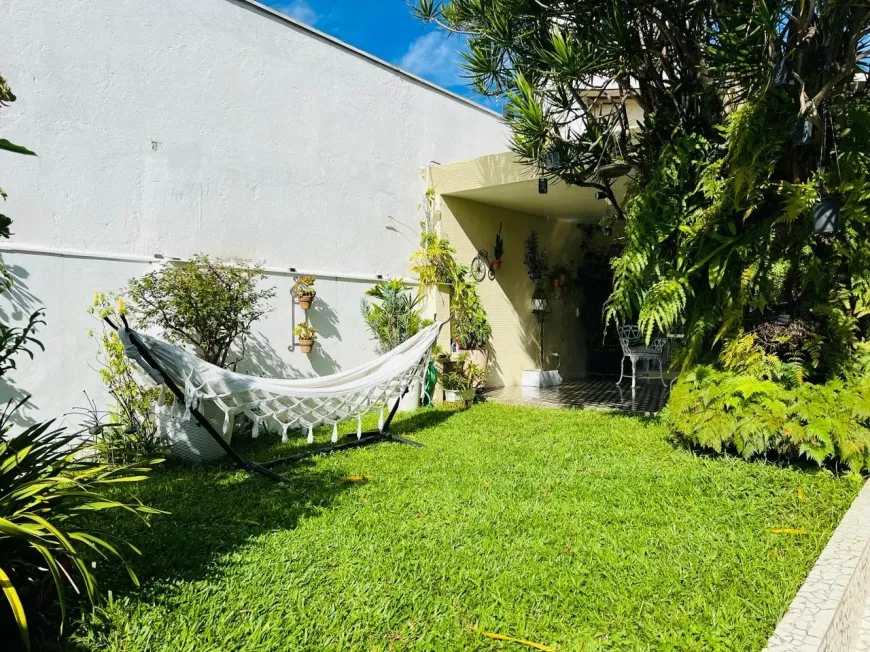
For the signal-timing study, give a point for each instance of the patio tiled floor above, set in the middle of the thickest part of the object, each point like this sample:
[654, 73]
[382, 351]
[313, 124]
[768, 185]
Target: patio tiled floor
[648, 397]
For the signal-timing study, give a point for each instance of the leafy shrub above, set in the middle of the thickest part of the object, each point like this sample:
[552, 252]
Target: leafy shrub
[470, 326]
[394, 318]
[461, 374]
[824, 423]
[207, 303]
[435, 263]
[48, 486]
[131, 433]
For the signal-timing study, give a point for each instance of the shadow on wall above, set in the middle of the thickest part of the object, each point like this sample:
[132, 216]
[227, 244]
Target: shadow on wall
[16, 305]
[258, 357]
[324, 318]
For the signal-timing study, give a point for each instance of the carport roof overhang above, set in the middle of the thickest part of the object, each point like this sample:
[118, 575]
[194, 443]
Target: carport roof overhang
[502, 180]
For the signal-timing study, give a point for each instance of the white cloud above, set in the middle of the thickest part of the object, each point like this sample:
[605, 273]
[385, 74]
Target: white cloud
[435, 57]
[298, 9]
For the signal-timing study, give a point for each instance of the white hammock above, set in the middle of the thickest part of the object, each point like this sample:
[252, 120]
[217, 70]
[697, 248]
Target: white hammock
[286, 404]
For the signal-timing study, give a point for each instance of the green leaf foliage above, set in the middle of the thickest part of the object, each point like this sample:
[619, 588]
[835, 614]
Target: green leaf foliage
[726, 411]
[208, 304]
[49, 481]
[393, 317]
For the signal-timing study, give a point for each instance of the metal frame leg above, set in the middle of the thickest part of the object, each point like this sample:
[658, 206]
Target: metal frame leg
[662, 372]
[264, 469]
[633, 372]
[370, 437]
[621, 371]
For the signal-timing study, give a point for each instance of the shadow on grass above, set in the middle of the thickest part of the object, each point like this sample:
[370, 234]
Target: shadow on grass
[268, 447]
[211, 514]
[214, 511]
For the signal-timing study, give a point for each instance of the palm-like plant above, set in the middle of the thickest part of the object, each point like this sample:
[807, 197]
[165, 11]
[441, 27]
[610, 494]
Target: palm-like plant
[48, 488]
[718, 208]
[395, 317]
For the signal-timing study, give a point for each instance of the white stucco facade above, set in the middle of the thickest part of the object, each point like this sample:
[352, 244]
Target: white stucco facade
[214, 126]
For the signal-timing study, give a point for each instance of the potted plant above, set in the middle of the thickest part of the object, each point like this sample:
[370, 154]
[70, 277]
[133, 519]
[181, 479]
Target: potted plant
[536, 258]
[498, 252]
[463, 380]
[303, 290]
[306, 335]
[558, 275]
[392, 319]
[470, 327]
[606, 223]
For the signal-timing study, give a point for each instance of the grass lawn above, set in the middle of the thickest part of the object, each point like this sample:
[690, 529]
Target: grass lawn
[578, 530]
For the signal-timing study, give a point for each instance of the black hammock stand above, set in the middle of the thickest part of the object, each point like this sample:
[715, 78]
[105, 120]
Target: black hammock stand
[265, 468]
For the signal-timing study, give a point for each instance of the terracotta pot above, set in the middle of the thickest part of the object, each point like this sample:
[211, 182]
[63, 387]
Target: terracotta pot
[306, 345]
[557, 282]
[496, 264]
[305, 301]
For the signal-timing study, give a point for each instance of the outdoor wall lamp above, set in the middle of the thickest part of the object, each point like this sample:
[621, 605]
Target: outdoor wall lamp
[540, 302]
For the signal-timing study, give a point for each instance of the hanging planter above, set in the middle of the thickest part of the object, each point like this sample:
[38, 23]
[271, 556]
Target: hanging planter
[304, 292]
[613, 170]
[498, 251]
[826, 215]
[307, 335]
[306, 345]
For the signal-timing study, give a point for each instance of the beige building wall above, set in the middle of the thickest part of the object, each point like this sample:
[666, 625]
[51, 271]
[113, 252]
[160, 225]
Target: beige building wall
[470, 226]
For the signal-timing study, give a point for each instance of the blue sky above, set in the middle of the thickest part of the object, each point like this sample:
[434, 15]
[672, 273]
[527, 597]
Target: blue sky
[388, 30]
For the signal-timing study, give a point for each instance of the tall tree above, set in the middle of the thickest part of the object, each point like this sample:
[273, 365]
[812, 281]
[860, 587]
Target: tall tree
[718, 227]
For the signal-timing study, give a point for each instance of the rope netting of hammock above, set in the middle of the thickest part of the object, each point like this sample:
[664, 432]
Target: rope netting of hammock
[287, 404]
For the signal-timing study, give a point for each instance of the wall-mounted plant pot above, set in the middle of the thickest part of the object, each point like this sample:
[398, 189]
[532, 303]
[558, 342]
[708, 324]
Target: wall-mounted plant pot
[305, 301]
[496, 265]
[458, 396]
[826, 215]
[306, 345]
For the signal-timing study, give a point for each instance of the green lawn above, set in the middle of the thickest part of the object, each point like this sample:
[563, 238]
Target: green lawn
[572, 529]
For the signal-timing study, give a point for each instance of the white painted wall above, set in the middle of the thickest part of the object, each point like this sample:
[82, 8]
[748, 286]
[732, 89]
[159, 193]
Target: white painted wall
[176, 127]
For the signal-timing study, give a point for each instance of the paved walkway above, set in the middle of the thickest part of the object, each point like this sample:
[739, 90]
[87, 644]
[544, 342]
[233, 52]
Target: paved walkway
[648, 397]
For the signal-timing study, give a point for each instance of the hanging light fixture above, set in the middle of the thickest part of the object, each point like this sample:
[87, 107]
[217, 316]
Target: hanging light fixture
[826, 211]
[783, 74]
[826, 215]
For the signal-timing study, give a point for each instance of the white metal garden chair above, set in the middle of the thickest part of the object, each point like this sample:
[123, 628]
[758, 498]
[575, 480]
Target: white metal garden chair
[634, 348]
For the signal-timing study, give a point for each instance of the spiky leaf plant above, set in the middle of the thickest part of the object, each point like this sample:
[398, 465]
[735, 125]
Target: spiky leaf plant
[49, 489]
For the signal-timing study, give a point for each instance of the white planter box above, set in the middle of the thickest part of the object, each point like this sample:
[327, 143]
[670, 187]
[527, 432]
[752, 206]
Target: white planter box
[186, 439]
[411, 400]
[541, 378]
[455, 396]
